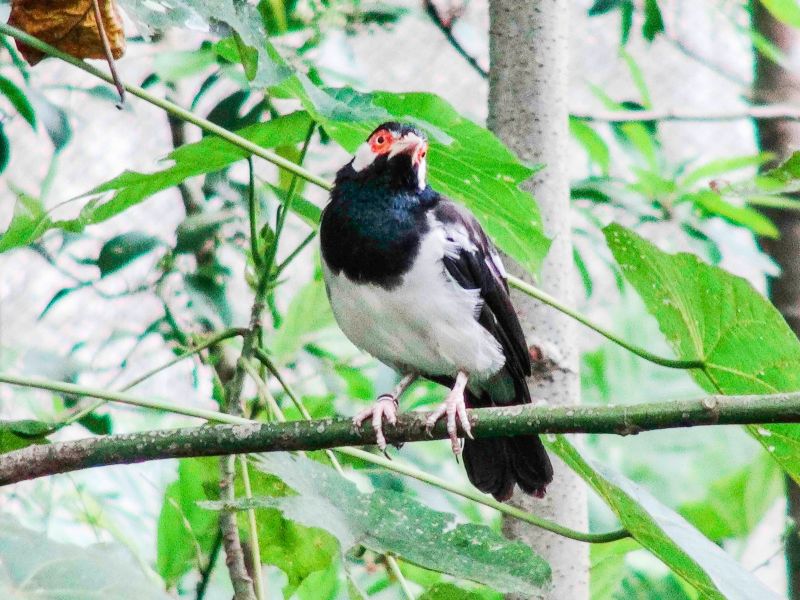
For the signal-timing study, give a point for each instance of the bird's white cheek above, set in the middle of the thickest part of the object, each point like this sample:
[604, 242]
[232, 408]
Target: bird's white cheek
[363, 157]
[422, 173]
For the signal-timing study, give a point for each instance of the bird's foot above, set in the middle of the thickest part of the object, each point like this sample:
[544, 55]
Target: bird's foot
[385, 407]
[455, 409]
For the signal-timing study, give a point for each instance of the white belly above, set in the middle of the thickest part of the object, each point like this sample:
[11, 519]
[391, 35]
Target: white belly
[426, 324]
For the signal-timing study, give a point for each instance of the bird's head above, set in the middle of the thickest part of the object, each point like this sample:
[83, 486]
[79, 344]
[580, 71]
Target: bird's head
[394, 153]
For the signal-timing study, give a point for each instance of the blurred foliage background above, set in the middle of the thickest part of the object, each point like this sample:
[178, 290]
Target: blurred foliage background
[102, 300]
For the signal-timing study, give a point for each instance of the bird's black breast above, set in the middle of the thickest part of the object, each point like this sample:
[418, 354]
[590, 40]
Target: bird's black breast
[372, 234]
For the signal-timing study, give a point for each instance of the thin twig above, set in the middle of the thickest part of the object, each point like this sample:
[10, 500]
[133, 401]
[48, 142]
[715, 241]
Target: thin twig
[101, 29]
[785, 112]
[543, 296]
[394, 567]
[447, 30]
[211, 341]
[205, 573]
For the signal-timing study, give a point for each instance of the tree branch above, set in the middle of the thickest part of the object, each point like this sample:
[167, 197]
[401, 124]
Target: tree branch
[787, 112]
[62, 457]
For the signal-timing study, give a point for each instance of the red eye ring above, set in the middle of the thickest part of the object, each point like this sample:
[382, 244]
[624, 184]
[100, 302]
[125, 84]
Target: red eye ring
[381, 142]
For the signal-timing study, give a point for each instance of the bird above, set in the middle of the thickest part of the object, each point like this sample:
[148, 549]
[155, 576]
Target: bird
[414, 281]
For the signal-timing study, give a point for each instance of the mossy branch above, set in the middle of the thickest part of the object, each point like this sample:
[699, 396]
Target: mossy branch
[237, 438]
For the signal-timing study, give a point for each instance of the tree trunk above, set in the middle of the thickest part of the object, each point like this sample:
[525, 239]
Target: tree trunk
[773, 83]
[528, 48]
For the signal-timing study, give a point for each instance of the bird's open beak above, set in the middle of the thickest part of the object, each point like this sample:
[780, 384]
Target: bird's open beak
[409, 144]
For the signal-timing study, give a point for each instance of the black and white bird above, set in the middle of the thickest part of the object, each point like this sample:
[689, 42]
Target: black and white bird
[414, 281]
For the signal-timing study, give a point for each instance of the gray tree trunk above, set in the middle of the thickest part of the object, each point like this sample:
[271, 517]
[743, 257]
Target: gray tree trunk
[528, 49]
[773, 83]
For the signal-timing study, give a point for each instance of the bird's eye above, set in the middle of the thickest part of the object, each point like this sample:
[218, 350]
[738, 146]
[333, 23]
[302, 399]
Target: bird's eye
[423, 154]
[380, 139]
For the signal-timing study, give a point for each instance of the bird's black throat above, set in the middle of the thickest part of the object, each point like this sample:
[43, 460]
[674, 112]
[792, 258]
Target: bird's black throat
[372, 227]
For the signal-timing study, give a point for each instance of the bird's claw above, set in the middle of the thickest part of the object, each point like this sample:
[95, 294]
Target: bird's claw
[455, 409]
[385, 407]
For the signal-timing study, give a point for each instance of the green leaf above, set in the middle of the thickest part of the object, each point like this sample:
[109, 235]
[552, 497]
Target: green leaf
[208, 296]
[308, 313]
[241, 17]
[34, 567]
[186, 532]
[592, 142]
[711, 571]
[786, 11]
[608, 568]
[448, 591]
[173, 66]
[28, 222]
[710, 315]
[206, 156]
[722, 166]
[19, 434]
[712, 203]
[465, 161]
[653, 21]
[18, 100]
[123, 249]
[196, 229]
[389, 521]
[54, 119]
[601, 7]
[5, 149]
[738, 502]
[320, 585]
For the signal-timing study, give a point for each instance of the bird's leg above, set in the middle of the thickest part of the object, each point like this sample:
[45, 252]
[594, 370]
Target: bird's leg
[385, 407]
[454, 407]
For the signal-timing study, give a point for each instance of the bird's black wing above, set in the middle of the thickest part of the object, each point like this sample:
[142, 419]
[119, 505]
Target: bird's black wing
[494, 465]
[476, 265]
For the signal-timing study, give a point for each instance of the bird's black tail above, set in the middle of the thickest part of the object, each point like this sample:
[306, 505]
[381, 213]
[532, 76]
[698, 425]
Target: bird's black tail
[494, 465]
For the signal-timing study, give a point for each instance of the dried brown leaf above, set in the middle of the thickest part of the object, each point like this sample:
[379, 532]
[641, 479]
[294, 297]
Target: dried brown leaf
[69, 25]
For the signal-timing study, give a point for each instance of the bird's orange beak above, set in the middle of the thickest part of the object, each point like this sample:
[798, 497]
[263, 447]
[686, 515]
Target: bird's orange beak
[411, 144]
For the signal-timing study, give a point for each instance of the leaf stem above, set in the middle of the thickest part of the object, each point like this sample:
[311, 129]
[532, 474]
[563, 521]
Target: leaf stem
[542, 296]
[252, 525]
[300, 247]
[272, 253]
[252, 210]
[170, 107]
[394, 567]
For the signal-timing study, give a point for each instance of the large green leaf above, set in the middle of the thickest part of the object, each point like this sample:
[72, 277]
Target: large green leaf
[34, 567]
[714, 574]
[389, 521]
[206, 156]
[709, 314]
[465, 161]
